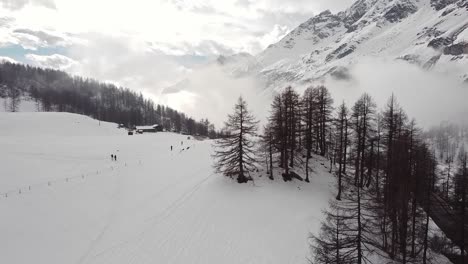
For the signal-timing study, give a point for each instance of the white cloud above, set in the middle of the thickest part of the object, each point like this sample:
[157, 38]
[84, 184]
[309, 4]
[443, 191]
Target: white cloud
[427, 96]
[18, 4]
[55, 61]
[8, 59]
[231, 23]
[148, 45]
[44, 38]
[210, 93]
[128, 62]
[12, 32]
[277, 33]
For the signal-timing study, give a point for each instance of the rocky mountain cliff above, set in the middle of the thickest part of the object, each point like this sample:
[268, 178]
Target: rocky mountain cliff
[432, 34]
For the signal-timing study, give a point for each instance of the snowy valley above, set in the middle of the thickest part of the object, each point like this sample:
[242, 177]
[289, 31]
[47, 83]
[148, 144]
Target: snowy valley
[348, 143]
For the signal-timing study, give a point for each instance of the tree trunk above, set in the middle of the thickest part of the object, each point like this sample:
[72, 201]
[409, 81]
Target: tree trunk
[359, 238]
[345, 152]
[371, 161]
[413, 228]
[241, 177]
[271, 156]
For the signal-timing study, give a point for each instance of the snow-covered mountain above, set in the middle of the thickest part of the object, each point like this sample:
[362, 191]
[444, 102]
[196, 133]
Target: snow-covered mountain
[382, 47]
[432, 34]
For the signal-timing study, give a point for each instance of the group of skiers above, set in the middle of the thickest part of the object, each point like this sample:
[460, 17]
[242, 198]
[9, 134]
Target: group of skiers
[181, 143]
[113, 157]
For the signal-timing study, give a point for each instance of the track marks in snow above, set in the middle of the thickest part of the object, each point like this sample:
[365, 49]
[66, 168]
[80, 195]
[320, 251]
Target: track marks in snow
[165, 214]
[135, 245]
[109, 220]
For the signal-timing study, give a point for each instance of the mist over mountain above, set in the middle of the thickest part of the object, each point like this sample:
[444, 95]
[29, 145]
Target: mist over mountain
[416, 49]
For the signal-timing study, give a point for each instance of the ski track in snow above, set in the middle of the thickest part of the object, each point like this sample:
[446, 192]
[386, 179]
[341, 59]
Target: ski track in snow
[111, 216]
[167, 212]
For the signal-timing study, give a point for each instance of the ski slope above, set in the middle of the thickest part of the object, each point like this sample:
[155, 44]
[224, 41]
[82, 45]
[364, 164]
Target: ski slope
[150, 206]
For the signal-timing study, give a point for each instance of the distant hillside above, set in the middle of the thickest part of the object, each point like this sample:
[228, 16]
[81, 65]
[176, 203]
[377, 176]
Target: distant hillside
[56, 91]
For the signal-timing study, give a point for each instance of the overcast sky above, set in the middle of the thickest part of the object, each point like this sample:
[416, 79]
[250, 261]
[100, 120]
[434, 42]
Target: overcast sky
[145, 45]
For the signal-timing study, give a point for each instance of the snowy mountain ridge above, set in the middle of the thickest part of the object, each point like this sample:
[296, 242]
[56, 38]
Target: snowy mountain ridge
[432, 34]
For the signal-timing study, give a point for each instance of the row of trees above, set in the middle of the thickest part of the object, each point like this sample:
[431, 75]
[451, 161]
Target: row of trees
[385, 170]
[296, 124]
[55, 90]
[460, 201]
[393, 174]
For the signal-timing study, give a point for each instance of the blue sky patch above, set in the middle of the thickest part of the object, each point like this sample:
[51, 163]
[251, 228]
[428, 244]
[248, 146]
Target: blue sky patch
[17, 52]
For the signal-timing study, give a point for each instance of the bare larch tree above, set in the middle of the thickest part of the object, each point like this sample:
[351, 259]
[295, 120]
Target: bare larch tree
[234, 154]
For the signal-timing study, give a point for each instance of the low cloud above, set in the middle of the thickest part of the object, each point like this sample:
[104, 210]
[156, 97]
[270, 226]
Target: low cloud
[42, 38]
[271, 37]
[55, 61]
[126, 62]
[428, 96]
[211, 92]
[6, 22]
[31, 39]
[206, 48]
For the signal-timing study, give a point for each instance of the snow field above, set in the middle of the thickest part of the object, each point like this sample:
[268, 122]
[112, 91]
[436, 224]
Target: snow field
[151, 206]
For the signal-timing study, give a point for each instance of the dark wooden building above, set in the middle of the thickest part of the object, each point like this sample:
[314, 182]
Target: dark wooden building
[149, 129]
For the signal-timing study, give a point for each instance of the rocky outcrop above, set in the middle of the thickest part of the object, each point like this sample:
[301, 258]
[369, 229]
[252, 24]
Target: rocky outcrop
[319, 24]
[463, 3]
[411, 58]
[456, 49]
[439, 43]
[357, 11]
[319, 27]
[341, 52]
[400, 11]
[440, 4]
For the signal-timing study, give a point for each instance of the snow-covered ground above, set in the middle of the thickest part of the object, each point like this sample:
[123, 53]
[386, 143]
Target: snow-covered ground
[151, 206]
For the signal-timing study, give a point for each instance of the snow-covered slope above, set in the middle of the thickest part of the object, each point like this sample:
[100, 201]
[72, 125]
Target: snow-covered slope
[432, 34]
[64, 201]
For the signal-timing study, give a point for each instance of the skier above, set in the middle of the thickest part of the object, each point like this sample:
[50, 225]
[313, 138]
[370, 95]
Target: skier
[182, 143]
[112, 157]
[171, 148]
[115, 157]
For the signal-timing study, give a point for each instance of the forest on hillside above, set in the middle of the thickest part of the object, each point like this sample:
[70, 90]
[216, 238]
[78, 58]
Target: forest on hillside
[389, 173]
[54, 90]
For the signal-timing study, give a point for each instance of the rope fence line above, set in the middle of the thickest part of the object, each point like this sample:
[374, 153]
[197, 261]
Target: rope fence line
[49, 183]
